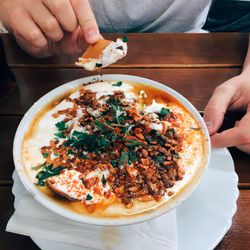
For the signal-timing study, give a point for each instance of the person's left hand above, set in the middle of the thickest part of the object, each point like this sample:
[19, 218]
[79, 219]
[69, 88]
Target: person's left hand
[231, 95]
[46, 27]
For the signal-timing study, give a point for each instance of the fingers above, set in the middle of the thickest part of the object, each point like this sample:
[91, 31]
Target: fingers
[216, 108]
[27, 28]
[86, 20]
[45, 20]
[68, 45]
[228, 138]
[36, 24]
[237, 136]
[39, 52]
[64, 13]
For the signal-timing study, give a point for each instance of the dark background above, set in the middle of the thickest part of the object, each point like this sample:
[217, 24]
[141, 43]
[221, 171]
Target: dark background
[228, 16]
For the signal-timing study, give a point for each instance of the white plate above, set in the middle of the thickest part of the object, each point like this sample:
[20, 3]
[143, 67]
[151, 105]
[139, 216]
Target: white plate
[205, 217]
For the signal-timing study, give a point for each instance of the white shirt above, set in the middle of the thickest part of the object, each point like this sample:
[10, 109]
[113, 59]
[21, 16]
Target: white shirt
[150, 15]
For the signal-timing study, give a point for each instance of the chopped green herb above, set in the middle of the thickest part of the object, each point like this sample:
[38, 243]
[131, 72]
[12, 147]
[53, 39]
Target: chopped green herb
[114, 163]
[78, 134]
[124, 38]
[119, 125]
[47, 172]
[45, 155]
[102, 142]
[60, 135]
[123, 159]
[114, 137]
[61, 126]
[82, 156]
[133, 143]
[164, 112]
[88, 142]
[98, 65]
[104, 181]
[114, 102]
[39, 166]
[153, 135]
[127, 129]
[88, 197]
[70, 152]
[119, 116]
[170, 132]
[114, 106]
[132, 157]
[118, 84]
[160, 158]
[104, 127]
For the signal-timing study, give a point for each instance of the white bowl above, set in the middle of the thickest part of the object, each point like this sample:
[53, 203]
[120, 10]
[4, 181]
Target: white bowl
[50, 204]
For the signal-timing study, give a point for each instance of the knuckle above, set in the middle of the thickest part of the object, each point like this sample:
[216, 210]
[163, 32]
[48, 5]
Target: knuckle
[15, 15]
[57, 5]
[219, 89]
[71, 26]
[88, 23]
[50, 25]
[57, 37]
[224, 88]
[34, 37]
[211, 107]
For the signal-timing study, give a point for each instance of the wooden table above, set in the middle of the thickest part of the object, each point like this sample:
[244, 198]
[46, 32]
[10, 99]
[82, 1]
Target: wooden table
[193, 64]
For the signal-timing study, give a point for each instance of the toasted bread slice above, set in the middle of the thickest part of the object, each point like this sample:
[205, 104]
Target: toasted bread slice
[67, 184]
[102, 54]
[95, 51]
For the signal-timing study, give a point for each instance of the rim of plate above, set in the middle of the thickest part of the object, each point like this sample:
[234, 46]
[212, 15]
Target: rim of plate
[55, 207]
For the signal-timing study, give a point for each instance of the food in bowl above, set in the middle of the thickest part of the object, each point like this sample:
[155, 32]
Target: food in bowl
[115, 149]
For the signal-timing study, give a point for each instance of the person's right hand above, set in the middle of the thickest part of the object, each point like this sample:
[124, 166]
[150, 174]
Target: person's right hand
[43, 27]
[233, 94]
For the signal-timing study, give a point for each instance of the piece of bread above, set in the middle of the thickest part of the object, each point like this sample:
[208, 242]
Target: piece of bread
[95, 51]
[67, 184]
[102, 54]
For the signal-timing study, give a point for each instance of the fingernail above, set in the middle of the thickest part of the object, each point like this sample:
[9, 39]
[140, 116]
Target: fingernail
[92, 36]
[210, 126]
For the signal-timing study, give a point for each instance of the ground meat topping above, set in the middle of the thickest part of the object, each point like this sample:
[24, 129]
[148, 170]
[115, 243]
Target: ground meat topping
[113, 135]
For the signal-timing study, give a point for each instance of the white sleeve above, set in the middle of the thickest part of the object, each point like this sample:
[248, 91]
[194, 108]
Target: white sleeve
[2, 29]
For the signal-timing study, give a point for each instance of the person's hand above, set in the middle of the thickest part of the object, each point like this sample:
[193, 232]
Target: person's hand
[231, 95]
[42, 27]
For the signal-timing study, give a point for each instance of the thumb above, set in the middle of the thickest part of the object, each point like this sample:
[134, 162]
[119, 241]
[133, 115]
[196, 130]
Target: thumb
[86, 20]
[236, 136]
[217, 106]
